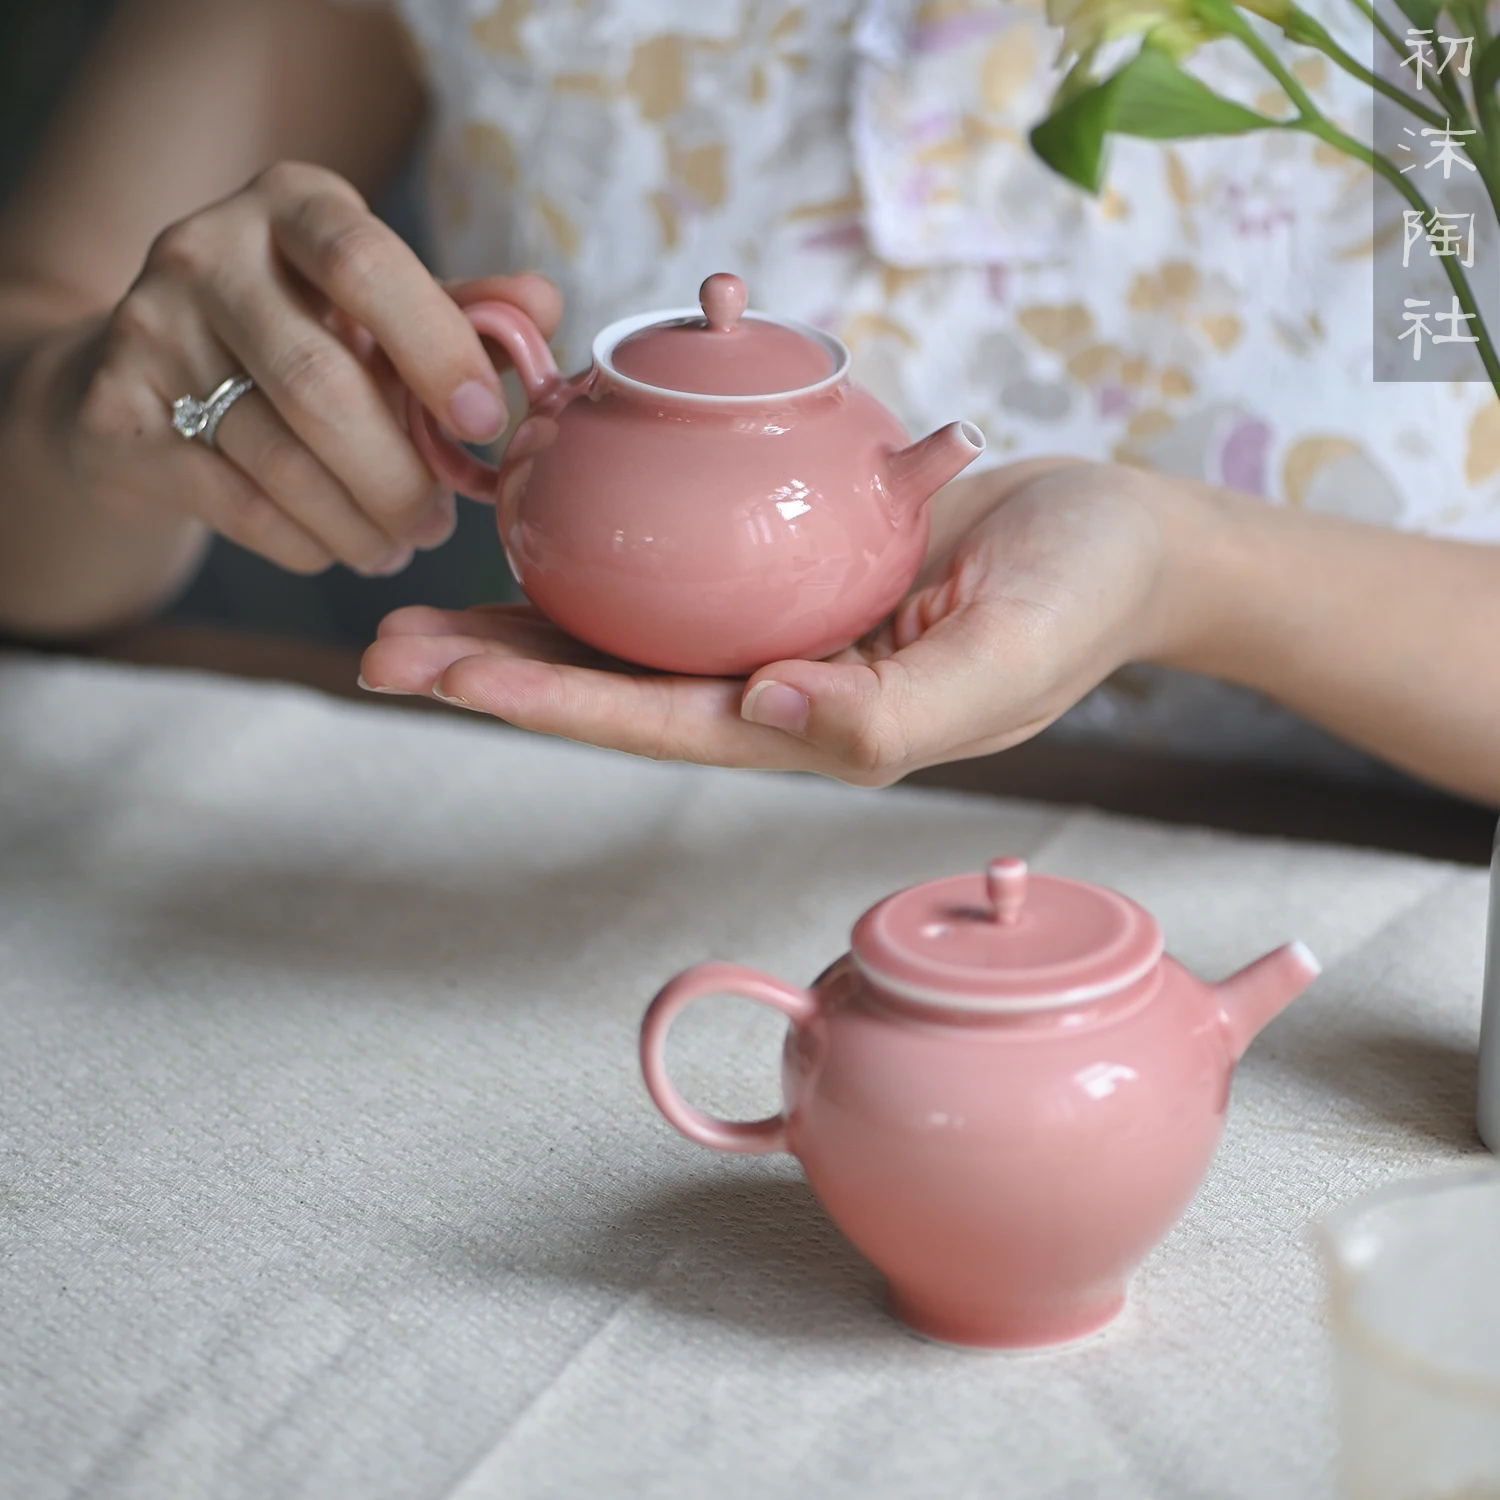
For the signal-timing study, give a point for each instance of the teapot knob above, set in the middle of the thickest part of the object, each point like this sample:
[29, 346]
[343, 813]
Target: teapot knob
[722, 297]
[1005, 882]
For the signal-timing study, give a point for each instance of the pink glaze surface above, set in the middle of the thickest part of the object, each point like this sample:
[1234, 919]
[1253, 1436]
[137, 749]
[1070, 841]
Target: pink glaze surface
[713, 495]
[721, 355]
[1006, 939]
[1007, 1168]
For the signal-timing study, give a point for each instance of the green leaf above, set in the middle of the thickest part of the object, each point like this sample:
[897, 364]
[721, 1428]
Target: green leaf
[1304, 29]
[1150, 97]
[1071, 139]
[1468, 14]
[1421, 13]
[1487, 69]
[1158, 100]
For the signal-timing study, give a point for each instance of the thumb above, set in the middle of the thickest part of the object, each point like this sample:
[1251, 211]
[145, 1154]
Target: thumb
[877, 721]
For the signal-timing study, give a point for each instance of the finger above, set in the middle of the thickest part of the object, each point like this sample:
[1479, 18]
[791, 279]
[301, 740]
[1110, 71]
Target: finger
[254, 437]
[880, 720]
[663, 717]
[521, 628]
[490, 622]
[411, 662]
[660, 717]
[324, 395]
[440, 524]
[366, 269]
[361, 343]
[161, 350]
[231, 503]
[532, 292]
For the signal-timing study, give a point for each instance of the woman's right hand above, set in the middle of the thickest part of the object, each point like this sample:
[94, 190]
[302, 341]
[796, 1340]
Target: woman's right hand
[294, 282]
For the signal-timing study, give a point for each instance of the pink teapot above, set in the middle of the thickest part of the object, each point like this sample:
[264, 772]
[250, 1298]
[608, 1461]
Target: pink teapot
[1005, 1094]
[713, 494]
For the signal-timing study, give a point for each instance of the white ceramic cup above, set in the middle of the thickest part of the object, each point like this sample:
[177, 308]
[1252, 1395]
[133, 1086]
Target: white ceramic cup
[1414, 1302]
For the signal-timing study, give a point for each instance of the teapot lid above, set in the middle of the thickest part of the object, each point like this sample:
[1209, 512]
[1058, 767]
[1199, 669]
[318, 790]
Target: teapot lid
[724, 352]
[1003, 939]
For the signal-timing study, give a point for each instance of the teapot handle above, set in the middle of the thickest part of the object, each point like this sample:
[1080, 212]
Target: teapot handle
[522, 340]
[752, 1136]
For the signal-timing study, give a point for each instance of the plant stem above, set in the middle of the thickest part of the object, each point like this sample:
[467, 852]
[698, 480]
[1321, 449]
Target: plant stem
[1381, 25]
[1485, 149]
[1294, 91]
[1314, 36]
[1488, 114]
[1314, 123]
[1448, 92]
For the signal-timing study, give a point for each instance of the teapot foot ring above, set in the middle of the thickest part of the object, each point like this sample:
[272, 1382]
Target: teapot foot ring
[1010, 1332]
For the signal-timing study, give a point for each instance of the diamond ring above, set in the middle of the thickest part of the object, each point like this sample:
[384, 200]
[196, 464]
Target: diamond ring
[200, 419]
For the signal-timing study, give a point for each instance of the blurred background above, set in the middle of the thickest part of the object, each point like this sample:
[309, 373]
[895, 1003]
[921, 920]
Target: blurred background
[41, 42]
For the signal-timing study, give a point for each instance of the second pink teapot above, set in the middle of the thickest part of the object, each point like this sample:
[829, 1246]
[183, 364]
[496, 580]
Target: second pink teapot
[1005, 1094]
[712, 495]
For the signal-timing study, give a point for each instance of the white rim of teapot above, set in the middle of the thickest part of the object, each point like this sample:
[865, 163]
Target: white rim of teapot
[943, 999]
[610, 338]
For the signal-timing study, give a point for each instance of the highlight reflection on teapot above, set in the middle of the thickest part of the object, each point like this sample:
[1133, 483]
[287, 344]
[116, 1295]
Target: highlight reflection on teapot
[1005, 1094]
[713, 494]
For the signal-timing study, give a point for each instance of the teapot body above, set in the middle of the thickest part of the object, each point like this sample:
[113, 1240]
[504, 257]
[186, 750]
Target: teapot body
[1004, 1094]
[1007, 1174]
[709, 538]
[712, 495]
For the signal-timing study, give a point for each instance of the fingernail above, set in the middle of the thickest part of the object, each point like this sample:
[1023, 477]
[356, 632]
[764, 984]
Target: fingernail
[437, 525]
[452, 698]
[477, 412]
[370, 687]
[777, 706]
[388, 563]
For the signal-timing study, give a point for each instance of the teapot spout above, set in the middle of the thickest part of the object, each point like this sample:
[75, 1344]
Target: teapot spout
[915, 474]
[1262, 990]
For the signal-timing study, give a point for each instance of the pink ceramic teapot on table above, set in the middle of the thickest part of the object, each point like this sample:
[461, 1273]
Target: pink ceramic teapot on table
[712, 495]
[1005, 1094]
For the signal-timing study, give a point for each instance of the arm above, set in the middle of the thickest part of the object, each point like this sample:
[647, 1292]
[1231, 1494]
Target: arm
[1044, 577]
[1389, 640]
[180, 105]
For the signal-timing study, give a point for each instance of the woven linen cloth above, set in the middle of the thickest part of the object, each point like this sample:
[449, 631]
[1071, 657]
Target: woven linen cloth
[328, 1171]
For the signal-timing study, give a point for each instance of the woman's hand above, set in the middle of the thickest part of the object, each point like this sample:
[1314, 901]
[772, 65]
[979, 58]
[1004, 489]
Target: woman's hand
[295, 282]
[1042, 579]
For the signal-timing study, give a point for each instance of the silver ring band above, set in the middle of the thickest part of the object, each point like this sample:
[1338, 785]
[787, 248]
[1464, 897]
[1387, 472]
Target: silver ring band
[193, 418]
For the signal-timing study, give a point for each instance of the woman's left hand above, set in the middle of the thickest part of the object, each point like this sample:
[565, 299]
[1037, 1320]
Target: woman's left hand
[1042, 578]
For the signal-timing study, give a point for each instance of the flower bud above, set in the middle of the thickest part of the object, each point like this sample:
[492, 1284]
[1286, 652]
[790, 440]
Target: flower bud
[1173, 25]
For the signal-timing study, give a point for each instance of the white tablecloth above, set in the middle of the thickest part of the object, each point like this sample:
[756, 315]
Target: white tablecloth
[327, 1170]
